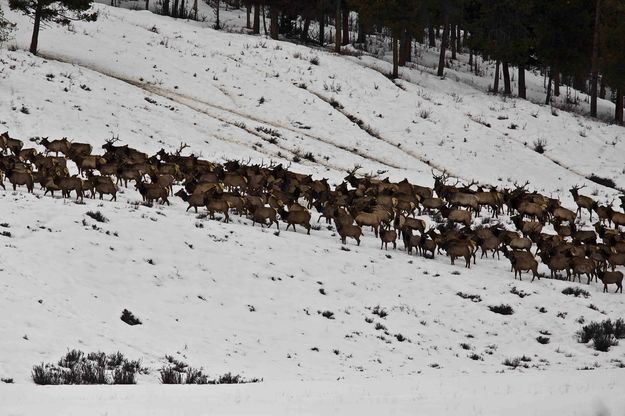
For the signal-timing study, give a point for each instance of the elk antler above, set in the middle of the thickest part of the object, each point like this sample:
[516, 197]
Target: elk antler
[181, 148]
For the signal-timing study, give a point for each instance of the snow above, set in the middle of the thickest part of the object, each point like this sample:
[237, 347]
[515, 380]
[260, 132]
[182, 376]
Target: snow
[232, 297]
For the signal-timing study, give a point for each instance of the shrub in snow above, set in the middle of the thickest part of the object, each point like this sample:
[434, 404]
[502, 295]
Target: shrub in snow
[603, 334]
[97, 216]
[543, 340]
[129, 318]
[540, 146]
[474, 298]
[170, 376]
[576, 291]
[502, 309]
[94, 368]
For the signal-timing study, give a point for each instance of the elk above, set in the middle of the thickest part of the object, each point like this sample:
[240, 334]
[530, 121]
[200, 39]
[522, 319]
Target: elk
[604, 212]
[557, 263]
[69, 184]
[296, 217]
[457, 216]
[388, 236]
[532, 210]
[88, 162]
[56, 146]
[348, 230]
[217, 205]
[104, 185]
[491, 243]
[78, 150]
[166, 181]
[460, 248]
[611, 278]
[492, 199]
[427, 245]
[583, 236]
[527, 227]
[430, 204]
[618, 218]
[616, 259]
[369, 219]
[401, 222]
[521, 243]
[582, 265]
[20, 178]
[561, 214]
[410, 241]
[582, 201]
[194, 200]
[262, 214]
[522, 261]
[152, 192]
[461, 199]
[14, 145]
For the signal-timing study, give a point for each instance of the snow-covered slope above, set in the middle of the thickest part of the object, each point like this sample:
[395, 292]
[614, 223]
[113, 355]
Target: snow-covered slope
[232, 297]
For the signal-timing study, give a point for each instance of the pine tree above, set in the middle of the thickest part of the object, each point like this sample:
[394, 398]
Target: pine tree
[57, 11]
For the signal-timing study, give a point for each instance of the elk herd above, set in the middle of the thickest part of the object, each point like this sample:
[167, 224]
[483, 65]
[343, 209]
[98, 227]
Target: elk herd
[360, 203]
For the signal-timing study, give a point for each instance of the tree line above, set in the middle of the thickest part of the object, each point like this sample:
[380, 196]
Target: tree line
[573, 42]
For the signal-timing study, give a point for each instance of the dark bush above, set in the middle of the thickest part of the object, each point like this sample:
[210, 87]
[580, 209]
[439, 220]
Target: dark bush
[94, 368]
[129, 318]
[543, 340]
[603, 334]
[576, 291]
[328, 314]
[540, 146]
[170, 376]
[607, 182]
[474, 298]
[379, 311]
[97, 216]
[502, 309]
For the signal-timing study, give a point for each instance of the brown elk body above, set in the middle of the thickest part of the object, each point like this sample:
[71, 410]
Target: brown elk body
[582, 201]
[609, 278]
[296, 217]
[388, 236]
[348, 230]
[262, 214]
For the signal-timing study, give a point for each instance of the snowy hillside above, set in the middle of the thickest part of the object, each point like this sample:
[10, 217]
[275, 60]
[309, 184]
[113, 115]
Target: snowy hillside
[300, 311]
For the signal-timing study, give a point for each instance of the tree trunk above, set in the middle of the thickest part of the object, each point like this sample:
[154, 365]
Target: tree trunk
[594, 72]
[431, 36]
[556, 83]
[256, 26]
[147, 4]
[441, 58]
[345, 37]
[522, 92]
[496, 81]
[174, 10]
[602, 88]
[337, 28]
[248, 14]
[322, 25]
[452, 42]
[262, 12]
[395, 57]
[408, 47]
[217, 17]
[165, 10]
[507, 90]
[548, 98]
[273, 15]
[182, 10]
[618, 112]
[402, 49]
[35, 39]
[362, 37]
[470, 58]
[304, 36]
